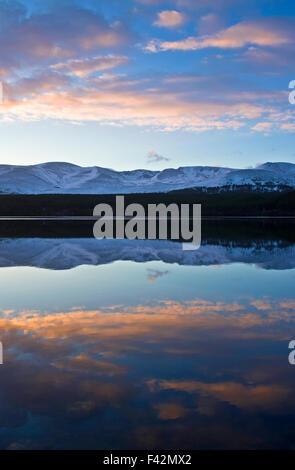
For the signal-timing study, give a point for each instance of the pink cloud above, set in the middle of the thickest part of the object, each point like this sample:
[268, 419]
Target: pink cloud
[51, 50]
[261, 33]
[264, 127]
[66, 32]
[175, 103]
[89, 65]
[113, 101]
[170, 19]
[288, 127]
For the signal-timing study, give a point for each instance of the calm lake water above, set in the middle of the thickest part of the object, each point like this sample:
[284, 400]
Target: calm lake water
[138, 345]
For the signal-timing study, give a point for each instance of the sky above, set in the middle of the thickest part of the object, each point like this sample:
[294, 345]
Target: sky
[147, 83]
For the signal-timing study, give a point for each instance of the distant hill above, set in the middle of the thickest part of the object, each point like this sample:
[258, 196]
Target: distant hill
[66, 178]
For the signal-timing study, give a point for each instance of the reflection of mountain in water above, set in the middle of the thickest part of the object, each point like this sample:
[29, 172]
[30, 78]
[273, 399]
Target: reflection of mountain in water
[69, 253]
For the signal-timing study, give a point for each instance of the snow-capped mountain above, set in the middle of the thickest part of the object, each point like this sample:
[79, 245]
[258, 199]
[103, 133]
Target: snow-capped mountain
[66, 178]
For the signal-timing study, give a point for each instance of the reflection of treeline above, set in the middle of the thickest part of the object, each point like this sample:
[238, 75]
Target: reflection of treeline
[246, 231]
[237, 203]
[238, 232]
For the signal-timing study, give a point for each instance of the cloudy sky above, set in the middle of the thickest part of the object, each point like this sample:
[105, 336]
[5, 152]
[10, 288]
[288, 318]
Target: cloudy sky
[147, 83]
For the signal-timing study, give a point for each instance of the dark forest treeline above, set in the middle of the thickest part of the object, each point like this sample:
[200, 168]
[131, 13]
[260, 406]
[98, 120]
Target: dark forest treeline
[222, 204]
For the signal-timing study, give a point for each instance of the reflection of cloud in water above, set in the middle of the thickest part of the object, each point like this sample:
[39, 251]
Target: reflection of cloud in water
[172, 373]
[246, 396]
[169, 411]
[154, 274]
[130, 322]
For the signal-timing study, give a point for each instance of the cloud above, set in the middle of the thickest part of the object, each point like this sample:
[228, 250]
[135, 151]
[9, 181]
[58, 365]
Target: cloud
[193, 4]
[176, 103]
[58, 64]
[66, 31]
[209, 24]
[266, 59]
[90, 65]
[201, 4]
[170, 19]
[265, 32]
[151, 2]
[288, 127]
[111, 101]
[264, 127]
[154, 157]
[277, 121]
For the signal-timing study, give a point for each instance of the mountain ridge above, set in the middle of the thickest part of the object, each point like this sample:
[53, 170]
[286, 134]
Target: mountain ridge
[68, 178]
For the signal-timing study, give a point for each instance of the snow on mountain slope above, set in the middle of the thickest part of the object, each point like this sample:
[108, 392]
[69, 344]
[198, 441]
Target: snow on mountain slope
[279, 168]
[67, 178]
[256, 177]
[59, 254]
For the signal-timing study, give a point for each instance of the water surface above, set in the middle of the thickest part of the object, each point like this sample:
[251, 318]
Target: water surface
[136, 344]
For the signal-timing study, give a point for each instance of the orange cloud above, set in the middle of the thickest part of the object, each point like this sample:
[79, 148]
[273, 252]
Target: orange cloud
[70, 365]
[165, 320]
[84, 363]
[250, 397]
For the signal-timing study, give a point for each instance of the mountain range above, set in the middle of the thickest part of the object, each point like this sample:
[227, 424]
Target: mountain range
[67, 178]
